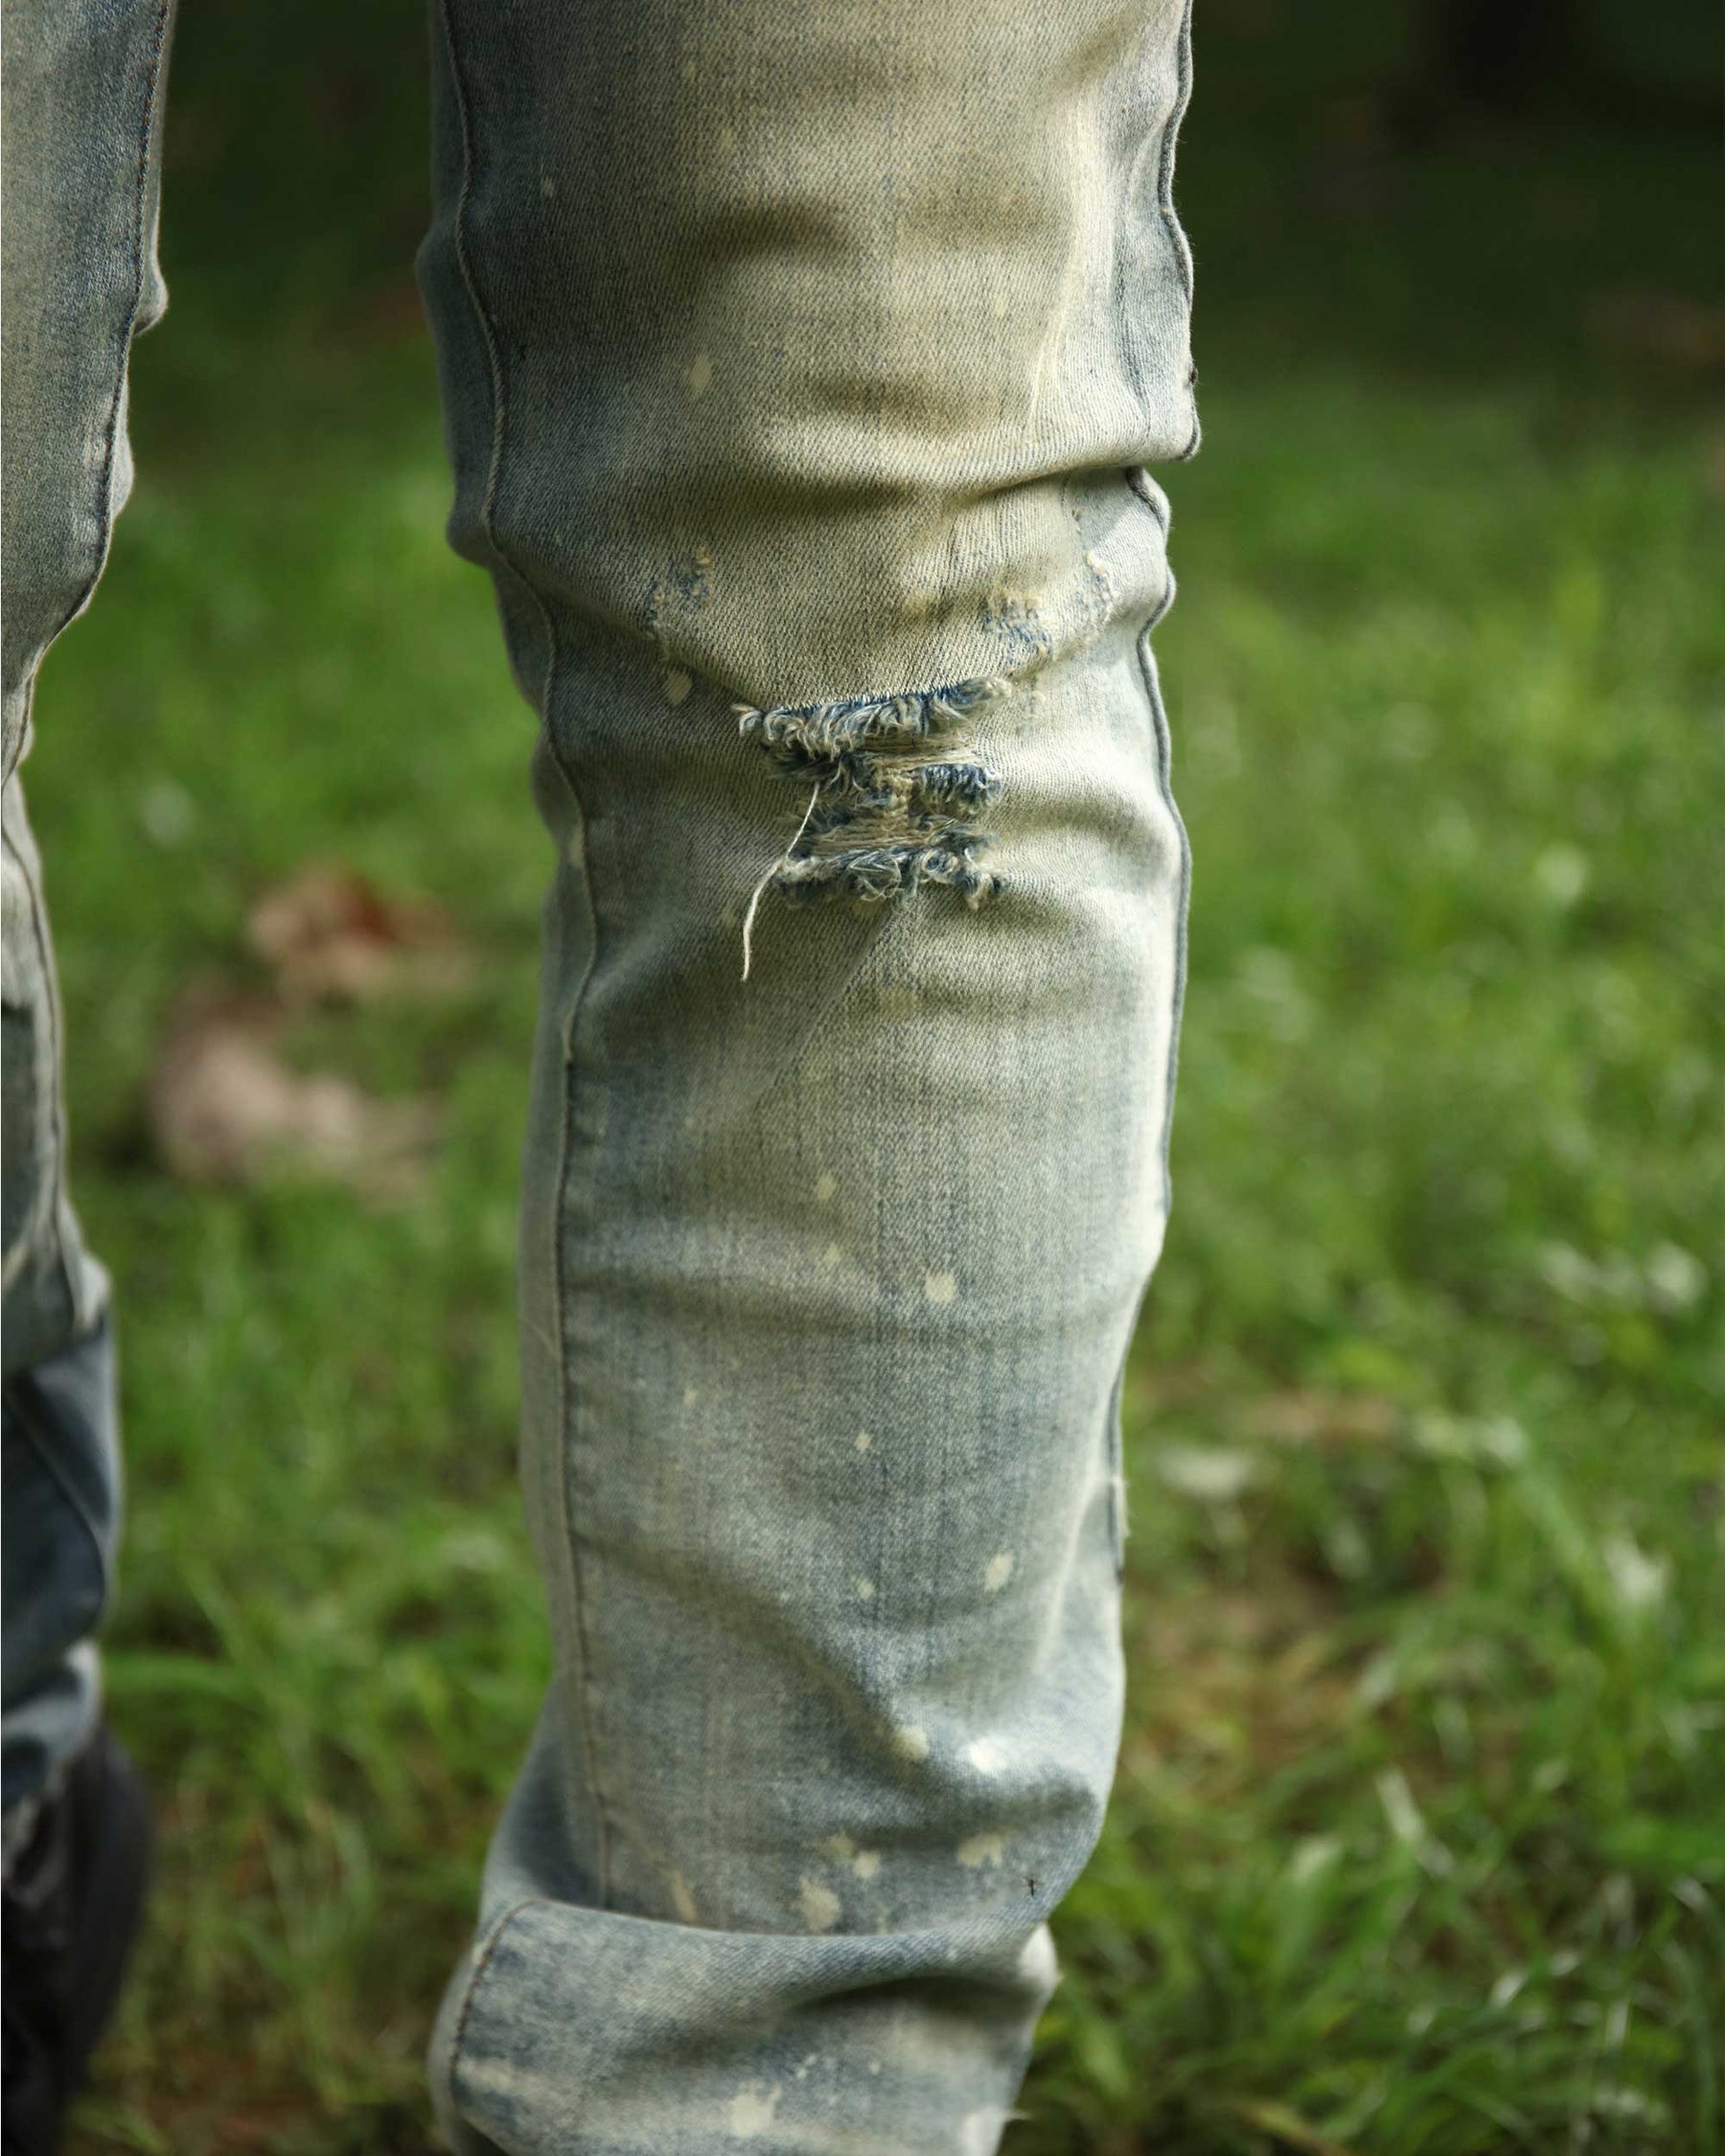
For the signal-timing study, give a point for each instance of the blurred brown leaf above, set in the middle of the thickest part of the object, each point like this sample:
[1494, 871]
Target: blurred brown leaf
[329, 934]
[225, 1109]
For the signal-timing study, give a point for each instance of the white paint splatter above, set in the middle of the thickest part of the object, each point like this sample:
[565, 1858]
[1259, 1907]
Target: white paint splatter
[984, 1756]
[865, 1863]
[839, 1847]
[910, 1742]
[981, 1849]
[819, 1906]
[865, 1589]
[940, 1288]
[699, 377]
[682, 1899]
[751, 2111]
[863, 1440]
[999, 1572]
[826, 1189]
[980, 2133]
[691, 1395]
[678, 685]
[1037, 1963]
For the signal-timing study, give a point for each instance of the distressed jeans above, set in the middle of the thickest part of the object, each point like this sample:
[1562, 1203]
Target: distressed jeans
[801, 370]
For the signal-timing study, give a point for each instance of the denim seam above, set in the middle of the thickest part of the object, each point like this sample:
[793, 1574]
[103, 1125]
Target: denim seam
[1165, 193]
[1141, 483]
[1165, 174]
[1164, 775]
[482, 1962]
[1115, 1455]
[104, 509]
[488, 525]
[1164, 778]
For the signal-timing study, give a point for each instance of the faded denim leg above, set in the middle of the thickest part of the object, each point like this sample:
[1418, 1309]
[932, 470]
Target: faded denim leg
[801, 367]
[84, 82]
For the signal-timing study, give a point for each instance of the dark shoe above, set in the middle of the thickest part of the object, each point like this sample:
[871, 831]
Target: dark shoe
[71, 1910]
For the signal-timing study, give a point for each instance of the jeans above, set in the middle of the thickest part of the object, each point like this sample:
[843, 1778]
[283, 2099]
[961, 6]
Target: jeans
[801, 367]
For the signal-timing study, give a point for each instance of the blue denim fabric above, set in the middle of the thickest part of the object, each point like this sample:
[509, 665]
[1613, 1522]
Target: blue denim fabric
[801, 367]
[82, 84]
[58, 1437]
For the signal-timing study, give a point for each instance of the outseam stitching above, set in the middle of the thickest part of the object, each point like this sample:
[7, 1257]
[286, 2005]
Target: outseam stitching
[481, 1963]
[1164, 189]
[1164, 776]
[54, 1183]
[1165, 772]
[106, 489]
[488, 526]
[1164, 177]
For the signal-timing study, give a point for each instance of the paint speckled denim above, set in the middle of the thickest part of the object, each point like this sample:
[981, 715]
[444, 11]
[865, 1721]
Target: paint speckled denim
[801, 369]
[802, 365]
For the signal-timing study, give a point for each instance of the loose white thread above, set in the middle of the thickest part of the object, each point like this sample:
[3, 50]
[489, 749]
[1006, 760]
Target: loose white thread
[760, 889]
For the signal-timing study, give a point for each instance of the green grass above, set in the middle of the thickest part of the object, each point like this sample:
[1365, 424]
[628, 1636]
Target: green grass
[1419, 1831]
[1419, 1845]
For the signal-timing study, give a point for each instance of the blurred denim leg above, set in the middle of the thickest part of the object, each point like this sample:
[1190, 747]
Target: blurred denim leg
[84, 82]
[800, 367]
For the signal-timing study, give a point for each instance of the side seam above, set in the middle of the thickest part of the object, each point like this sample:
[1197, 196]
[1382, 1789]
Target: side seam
[482, 1960]
[128, 327]
[505, 563]
[1164, 773]
[1164, 192]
